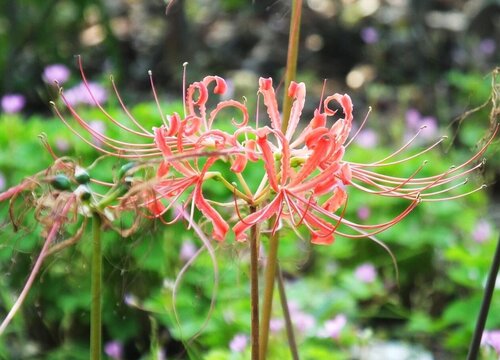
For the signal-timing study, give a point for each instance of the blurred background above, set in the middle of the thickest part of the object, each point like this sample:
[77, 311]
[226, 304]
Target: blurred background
[416, 62]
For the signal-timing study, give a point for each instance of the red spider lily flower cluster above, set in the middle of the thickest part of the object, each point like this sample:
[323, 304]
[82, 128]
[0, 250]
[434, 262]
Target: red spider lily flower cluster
[305, 177]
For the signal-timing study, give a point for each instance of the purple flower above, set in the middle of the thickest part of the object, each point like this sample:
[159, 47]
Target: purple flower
[56, 72]
[367, 139]
[492, 338]
[302, 321]
[114, 349]
[366, 273]
[98, 127]
[415, 121]
[332, 328]
[188, 249]
[3, 182]
[13, 103]
[364, 212]
[413, 118]
[276, 325]
[238, 343]
[482, 231]
[487, 46]
[369, 35]
[62, 144]
[79, 94]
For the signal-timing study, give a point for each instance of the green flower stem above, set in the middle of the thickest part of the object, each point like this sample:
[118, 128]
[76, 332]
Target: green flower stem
[485, 305]
[254, 280]
[286, 314]
[291, 61]
[272, 258]
[232, 188]
[267, 302]
[96, 283]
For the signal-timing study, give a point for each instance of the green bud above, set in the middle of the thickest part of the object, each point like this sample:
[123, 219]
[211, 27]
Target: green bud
[81, 175]
[61, 182]
[123, 170]
[83, 191]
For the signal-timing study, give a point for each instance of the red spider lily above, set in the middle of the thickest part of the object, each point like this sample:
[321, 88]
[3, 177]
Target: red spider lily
[179, 142]
[189, 175]
[309, 185]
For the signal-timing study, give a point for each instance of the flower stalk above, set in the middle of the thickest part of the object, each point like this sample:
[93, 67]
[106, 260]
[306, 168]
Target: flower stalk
[96, 283]
[267, 302]
[254, 287]
[286, 314]
[485, 305]
[272, 267]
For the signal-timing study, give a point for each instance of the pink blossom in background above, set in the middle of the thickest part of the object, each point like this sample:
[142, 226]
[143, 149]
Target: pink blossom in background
[366, 273]
[79, 94]
[188, 249]
[492, 338]
[482, 231]
[364, 212]
[62, 144]
[332, 328]
[3, 182]
[276, 325]
[238, 343]
[367, 139]
[13, 103]
[415, 121]
[114, 349]
[99, 127]
[302, 321]
[56, 72]
[487, 46]
[369, 35]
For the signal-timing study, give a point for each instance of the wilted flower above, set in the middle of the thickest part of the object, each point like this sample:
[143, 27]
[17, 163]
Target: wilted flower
[238, 343]
[13, 103]
[56, 73]
[366, 273]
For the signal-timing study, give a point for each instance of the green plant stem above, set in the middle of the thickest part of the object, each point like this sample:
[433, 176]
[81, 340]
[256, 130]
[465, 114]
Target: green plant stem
[291, 61]
[272, 258]
[96, 280]
[485, 305]
[267, 302]
[254, 280]
[286, 314]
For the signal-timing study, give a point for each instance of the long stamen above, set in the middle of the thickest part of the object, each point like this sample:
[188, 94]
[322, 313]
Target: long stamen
[125, 109]
[360, 128]
[153, 89]
[98, 104]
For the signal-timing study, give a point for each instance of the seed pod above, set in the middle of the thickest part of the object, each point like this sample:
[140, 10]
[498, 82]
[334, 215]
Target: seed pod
[61, 182]
[83, 191]
[81, 175]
